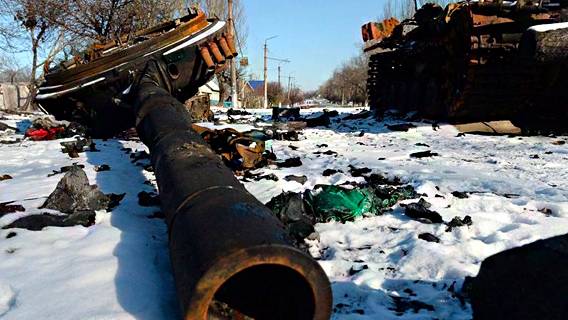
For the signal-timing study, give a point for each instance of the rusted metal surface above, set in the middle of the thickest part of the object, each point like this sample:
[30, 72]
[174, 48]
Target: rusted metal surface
[216, 53]
[471, 62]
[224, 244]
[225, 47]
[206, 55]
[378, 31]
[97, 92]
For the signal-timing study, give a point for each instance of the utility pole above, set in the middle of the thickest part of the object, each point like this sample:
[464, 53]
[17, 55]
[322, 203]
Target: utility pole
[265, 74]
[290, 77]
[280, 61]
[234, 97]
[266, 71]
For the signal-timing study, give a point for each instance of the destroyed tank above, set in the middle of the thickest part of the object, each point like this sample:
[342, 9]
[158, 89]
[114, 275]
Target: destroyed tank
[94, 87]
[474, 61]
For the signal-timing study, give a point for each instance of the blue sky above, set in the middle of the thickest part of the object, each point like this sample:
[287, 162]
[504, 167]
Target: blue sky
[316, 35]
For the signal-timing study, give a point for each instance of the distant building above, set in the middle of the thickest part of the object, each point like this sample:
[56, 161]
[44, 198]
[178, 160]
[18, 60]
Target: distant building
[253, 94]
[14, 97]
[211, 89]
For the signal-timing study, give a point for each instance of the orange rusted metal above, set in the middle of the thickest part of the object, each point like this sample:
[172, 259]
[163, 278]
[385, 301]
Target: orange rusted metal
[378, 31]
[216, 53]
[231, 43]
[206, 55]
[225, 47]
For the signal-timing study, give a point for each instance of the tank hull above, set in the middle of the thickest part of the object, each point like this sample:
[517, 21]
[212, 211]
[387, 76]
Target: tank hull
[474, 63]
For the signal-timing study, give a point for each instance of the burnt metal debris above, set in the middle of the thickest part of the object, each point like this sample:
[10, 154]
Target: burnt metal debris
[226, 247]
[95, 89]
[474, 61]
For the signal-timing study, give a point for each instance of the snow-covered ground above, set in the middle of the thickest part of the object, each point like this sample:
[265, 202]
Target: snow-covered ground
[380, 269]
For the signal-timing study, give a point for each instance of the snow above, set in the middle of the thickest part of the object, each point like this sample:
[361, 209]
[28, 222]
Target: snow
[549, 27]
[119, 268]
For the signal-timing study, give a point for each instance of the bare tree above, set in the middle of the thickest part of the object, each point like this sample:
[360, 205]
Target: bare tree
[295, 95]
[104, 20]
[275, 93]
[12, 71]
[405, 9]
[219, 9]
[348, 82]
[27, 29]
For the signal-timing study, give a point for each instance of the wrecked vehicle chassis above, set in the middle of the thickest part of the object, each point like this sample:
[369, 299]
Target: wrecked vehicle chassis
[226, 248]
[474, 61]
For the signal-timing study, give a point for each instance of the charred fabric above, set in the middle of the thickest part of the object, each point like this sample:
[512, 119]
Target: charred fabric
[249, 268]
[474, 61]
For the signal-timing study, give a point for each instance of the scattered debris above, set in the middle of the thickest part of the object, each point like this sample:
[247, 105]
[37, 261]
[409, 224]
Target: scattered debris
[329, 172]
[148, 199]
[403, 127]
[93, 147]
[298, 179]
[4, 126]
[37, 222]
[423, 154]
[48, 128]
[504, 127]
[238, 150]
[65, 169]
[102, 167]
[73, 148]
[290, 162]
[331, 113]
[428, 237]
[375, 179]
[299, 212]
[419, 211]
[357, 268]
[361, 115]
[289, 207]
[279, 114]
[237, 112]
[17, 140]
[139, 155]
[321, 121]
[460, 195]
[8, 207]
[75, 199]
[290, 135]
[73, 193]
[114, 200]
[327, 153]
[358, 172]
[258, 176]
[402, 305]
[330, 202]
[458, 222]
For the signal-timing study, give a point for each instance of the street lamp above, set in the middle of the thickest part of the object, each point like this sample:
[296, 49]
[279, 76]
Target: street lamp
[266, 71]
